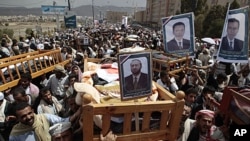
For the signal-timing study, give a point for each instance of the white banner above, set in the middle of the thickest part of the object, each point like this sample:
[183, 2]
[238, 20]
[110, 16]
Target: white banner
[234, 40]
[125, 20]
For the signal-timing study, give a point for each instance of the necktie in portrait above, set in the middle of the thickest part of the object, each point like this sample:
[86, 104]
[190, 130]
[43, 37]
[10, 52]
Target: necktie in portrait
[135, 83]
[231, 45]
[180, 46]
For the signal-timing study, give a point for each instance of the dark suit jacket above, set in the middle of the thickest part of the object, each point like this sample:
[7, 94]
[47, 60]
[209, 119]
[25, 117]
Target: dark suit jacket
[172, 45]
[238, 44]
[142, 82]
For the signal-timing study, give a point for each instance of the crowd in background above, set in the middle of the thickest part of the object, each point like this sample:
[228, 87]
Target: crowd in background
[54, 94]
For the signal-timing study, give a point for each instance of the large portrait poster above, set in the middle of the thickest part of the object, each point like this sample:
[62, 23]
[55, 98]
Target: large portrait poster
[234, 40]
[135, 75]
[178, 34]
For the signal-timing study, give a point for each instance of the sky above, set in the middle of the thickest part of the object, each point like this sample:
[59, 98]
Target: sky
[74, 3]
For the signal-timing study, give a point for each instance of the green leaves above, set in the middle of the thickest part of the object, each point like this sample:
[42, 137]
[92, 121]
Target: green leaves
[9, 32]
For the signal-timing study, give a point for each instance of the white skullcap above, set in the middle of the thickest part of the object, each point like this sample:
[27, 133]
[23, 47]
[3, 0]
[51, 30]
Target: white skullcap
[81, 54]
[59, 128]
[40, 46]
[27, 40]
[1, 96]
[25, 45]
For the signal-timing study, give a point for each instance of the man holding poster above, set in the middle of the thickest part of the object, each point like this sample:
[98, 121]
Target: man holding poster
[229, 42]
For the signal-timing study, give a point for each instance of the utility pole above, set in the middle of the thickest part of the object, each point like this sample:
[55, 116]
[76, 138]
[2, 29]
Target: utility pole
[93, 12]
[57, 16]
[100, 14]
[69, 5]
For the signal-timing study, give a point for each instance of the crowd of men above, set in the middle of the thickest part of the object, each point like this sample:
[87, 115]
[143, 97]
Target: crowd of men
[34, 107]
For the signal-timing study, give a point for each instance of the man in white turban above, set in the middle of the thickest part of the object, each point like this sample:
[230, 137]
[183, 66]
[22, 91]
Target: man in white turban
[61, 131]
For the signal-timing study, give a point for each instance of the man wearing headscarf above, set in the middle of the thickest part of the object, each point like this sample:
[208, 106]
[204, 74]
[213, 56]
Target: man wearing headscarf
[56, 81]
[49, 104]
[202, 128]
[61, 131]
[35, 127]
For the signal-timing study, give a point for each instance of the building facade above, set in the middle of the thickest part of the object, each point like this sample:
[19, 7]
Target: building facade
[115, 16]
[140, 16]
[157, 9]
[224, 2]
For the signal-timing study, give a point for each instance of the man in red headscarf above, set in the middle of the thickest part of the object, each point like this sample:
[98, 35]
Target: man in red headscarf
[202, 128]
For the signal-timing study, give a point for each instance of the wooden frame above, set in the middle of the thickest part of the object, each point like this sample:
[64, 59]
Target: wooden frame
[170, 106]
[86, 60]
[171, 109]
[37, 63]
[17, 57]
[224, 106]
[157, 64]
[171, 66]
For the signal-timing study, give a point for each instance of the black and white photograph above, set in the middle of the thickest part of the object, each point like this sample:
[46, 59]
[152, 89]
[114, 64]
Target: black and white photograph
[135, 75]
[234, 39]
[178, 34]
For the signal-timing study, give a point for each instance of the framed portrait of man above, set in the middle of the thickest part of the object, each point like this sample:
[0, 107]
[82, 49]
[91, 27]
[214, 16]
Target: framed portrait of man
[178, 34]
[233, 47]
[135, 74]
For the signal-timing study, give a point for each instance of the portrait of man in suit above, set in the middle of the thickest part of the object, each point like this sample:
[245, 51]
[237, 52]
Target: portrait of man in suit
[137, 80]
[229, 42]
[178, 42]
